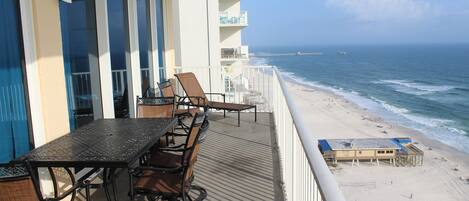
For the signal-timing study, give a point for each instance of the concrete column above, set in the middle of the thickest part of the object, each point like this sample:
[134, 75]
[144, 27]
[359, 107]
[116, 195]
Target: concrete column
[104, 70]
[153, 46]
[50, 68]
[132, 55]
[32, 73]
[93, 58]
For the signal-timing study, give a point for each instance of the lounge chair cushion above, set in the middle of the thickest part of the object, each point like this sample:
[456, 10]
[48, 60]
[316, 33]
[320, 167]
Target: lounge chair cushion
[229, 106]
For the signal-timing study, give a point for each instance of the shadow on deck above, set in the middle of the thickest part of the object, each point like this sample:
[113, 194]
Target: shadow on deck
[236, 163]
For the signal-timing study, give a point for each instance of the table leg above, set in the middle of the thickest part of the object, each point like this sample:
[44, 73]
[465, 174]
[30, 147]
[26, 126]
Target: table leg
[35, 179]
[131, 185]
[113, 183]
[87, 190]
[54, 181]
[105, 183]
[255, 113]
[239, 116]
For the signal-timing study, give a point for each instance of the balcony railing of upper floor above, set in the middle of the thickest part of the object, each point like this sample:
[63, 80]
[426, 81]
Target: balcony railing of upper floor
[236, 53]
[304, 172]
[232, 20]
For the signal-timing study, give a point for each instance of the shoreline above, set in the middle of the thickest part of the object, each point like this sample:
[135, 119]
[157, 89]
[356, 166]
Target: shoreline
[333, 116]
[414, 134]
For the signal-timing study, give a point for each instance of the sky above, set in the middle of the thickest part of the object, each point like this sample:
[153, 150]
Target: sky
[352, 22]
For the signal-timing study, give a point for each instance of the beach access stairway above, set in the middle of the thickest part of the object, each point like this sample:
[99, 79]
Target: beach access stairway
[410, 155]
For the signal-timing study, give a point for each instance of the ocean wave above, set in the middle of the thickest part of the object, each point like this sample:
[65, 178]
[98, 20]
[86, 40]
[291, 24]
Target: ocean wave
[443, 130]
[415, 88]
[258, 61]
[462, 89]
[422, 120]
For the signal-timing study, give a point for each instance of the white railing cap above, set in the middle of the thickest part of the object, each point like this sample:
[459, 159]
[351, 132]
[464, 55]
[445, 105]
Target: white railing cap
[326, 181]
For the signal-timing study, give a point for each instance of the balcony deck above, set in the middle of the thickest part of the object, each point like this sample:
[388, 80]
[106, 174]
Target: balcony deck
[236, 163]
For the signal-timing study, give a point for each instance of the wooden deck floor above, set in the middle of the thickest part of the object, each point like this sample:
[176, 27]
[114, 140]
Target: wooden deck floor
[235, 163]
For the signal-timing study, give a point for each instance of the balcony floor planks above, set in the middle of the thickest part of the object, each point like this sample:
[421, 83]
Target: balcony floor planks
[235, 163]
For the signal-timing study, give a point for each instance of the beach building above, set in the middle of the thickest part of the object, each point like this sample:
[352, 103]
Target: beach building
[398, 151]
[66, 63]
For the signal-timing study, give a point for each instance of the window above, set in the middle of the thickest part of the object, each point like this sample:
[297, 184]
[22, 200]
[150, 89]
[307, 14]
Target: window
[14, 126]
[80, 52]
[381, 152]
[389, 151]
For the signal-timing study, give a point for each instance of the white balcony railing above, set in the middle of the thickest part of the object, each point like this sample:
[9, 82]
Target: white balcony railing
[81, 86]
[230, 20]
[236, 53]
[305, 174]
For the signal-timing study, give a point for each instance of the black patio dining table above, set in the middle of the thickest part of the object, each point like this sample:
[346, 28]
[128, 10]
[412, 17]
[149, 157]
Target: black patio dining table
[107, 144]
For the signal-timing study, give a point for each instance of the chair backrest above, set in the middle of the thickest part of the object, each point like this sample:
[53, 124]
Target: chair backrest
[145, 87]
[192, 87]
[15, 184]
[155, 107]
[167, 88]
[196, 136]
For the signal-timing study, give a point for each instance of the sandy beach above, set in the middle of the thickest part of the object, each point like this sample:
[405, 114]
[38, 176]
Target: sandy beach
[443, 177]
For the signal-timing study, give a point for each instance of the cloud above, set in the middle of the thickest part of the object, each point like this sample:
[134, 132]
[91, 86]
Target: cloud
[385, 10]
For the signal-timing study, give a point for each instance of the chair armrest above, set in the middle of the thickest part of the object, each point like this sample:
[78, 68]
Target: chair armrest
[173, 147]
[184, 102]
[173, 150]
[220, 94]
[177, 134]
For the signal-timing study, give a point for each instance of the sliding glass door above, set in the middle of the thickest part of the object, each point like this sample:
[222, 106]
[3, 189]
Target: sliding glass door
[160, 38]
[14, 126]
[80, 50]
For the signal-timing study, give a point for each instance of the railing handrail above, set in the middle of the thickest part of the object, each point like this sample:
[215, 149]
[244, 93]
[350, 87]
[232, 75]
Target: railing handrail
[114, 71]
[326, 181]
[233, 66]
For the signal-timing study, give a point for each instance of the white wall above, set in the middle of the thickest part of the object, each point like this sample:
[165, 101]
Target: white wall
[232, 7]
[196, 35]
[230, 37]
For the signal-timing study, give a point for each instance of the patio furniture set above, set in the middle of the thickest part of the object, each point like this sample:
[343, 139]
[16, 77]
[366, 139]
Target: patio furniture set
[145, 148]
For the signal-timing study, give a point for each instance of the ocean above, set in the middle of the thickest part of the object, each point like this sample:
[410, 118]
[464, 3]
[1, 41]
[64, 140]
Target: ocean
[423, 87]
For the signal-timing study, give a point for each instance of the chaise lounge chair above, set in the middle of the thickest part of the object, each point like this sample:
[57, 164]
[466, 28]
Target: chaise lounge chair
[197, 97]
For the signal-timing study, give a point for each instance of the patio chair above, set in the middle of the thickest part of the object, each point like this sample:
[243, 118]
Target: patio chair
[174, 182]
[121, 105]
[157, 107]
[145, 87]
[16, 184]
[167, 90]
[197, 97]
[170, 157]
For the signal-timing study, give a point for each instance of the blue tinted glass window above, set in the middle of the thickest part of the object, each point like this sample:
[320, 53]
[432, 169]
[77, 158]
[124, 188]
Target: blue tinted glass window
[78, 24]
[14, 132]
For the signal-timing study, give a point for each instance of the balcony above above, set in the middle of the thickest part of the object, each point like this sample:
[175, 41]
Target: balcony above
[235, 53]
[234, 20]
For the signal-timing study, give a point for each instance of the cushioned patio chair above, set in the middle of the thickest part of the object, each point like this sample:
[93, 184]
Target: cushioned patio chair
[197, 97]
[16, 184]
[157, 107]
[175, 181]
[182, 111]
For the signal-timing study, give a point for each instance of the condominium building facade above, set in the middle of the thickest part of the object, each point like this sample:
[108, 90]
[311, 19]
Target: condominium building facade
[232, 21]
